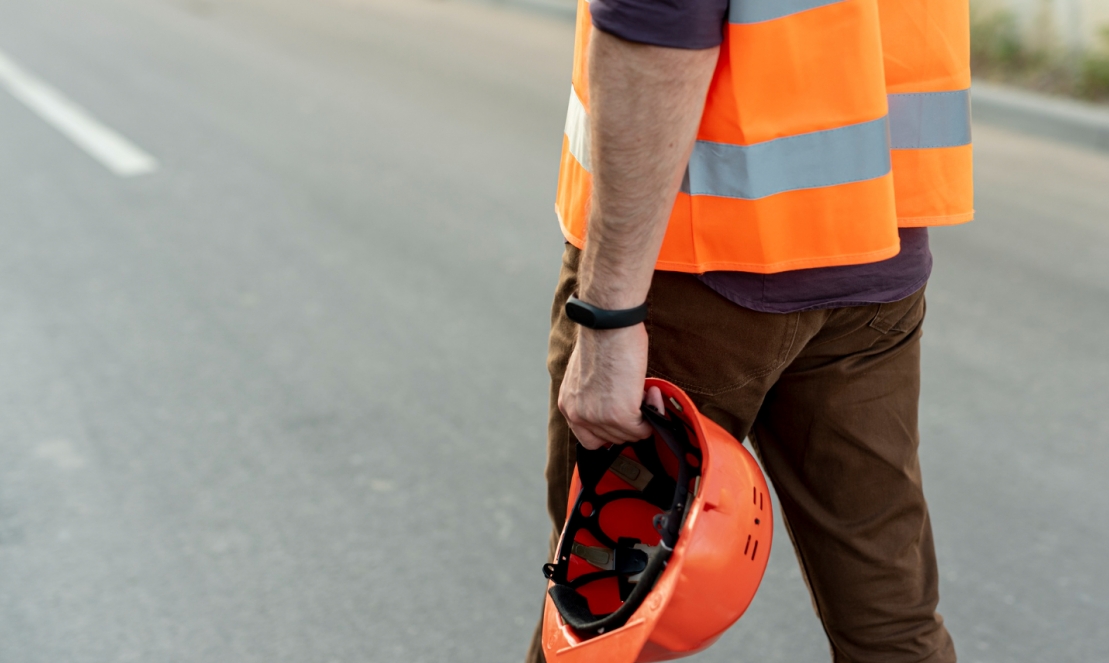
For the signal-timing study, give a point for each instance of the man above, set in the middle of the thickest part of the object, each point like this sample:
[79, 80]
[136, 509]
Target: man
[761, 175]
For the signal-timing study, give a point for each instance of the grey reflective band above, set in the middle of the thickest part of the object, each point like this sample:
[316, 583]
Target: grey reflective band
[577, 130]
[823, 158]
[757, 11]
[853, 153]
[929, 119]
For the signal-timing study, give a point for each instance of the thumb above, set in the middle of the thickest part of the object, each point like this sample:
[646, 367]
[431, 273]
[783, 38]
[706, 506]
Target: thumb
[654, 399]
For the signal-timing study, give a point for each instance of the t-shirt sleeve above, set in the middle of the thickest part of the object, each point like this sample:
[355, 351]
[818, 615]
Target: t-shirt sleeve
[689, 24]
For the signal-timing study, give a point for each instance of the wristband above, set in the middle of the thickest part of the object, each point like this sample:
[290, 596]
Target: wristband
[593, 317]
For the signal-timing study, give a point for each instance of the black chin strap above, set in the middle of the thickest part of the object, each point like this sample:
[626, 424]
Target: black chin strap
[675, 435]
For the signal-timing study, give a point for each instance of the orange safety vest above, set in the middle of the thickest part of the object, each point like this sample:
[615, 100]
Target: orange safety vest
[828, 124]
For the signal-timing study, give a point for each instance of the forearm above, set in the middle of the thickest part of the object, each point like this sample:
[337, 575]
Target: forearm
[645, 107]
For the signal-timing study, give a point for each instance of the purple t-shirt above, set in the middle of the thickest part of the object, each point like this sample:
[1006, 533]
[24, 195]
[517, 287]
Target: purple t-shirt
[700, 24]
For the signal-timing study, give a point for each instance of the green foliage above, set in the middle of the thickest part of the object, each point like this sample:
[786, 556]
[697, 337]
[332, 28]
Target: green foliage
[999, 50]
[1093, 80]
[995, 40]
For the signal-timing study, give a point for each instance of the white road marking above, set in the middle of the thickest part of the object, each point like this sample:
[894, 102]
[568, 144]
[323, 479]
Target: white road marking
[115, 152]
[61, 453]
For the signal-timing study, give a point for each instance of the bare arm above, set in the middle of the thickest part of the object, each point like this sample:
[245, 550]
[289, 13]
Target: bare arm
[645, 106]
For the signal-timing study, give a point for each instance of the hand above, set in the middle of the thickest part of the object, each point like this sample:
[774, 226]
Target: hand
[603, 387]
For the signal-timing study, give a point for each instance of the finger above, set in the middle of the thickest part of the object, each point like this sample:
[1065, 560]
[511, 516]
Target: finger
[618, 432]
[631, 431]
[598, 435]
[640, 431]
[610, 432]
[614, 433]
[594, 435]
[591, 434]
[589, 439]
[629, 428]
[654, 399]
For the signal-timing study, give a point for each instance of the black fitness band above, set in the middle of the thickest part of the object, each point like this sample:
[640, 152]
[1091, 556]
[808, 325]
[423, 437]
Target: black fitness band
[592, 317]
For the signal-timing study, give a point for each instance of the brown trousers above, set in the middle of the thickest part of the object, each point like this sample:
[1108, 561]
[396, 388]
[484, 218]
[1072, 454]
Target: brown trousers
[829, 401]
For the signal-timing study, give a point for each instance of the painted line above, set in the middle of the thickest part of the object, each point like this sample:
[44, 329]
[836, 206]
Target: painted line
[115, 152]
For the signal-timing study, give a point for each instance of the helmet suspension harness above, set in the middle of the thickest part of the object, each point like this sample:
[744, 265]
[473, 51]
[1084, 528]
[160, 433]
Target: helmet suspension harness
[624, 524]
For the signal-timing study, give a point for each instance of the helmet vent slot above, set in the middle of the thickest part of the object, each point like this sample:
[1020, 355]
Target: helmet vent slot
[748, 548]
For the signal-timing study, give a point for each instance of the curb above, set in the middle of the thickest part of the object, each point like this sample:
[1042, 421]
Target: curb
[560, 9]
[1077, 122]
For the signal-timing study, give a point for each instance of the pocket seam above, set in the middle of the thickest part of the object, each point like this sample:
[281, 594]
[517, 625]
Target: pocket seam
[878, 322]
[779, 361]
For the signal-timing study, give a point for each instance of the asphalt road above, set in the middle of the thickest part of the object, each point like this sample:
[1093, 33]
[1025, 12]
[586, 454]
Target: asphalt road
[284, 398]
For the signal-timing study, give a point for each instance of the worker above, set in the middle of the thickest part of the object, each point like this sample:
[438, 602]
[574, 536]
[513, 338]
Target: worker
[745, 193]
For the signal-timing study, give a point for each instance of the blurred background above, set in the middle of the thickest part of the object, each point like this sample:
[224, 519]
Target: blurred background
[275, 279]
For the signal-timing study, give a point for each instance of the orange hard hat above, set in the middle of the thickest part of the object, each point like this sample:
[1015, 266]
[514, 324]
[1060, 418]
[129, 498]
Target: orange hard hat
[665, 542]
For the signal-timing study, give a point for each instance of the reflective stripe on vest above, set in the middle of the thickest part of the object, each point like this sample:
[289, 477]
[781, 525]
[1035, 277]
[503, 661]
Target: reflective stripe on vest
[823, 158]
[577, 131]
[757, 11]
[926, 53]
[929, 119]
